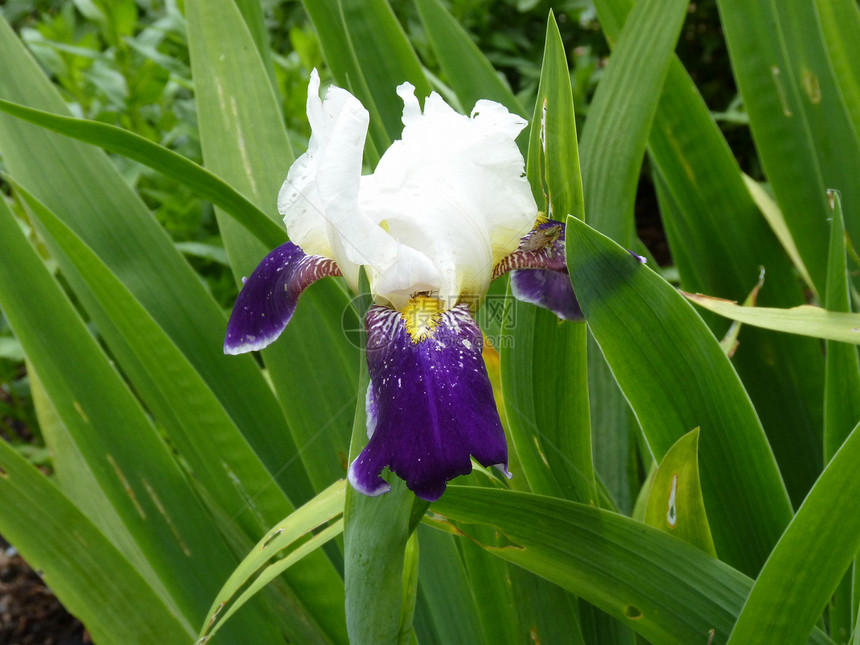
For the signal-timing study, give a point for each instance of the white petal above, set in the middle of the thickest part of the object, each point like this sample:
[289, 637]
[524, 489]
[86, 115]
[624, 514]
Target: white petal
[299, 200]
[452, 189]
[319, 199]
[444, 205]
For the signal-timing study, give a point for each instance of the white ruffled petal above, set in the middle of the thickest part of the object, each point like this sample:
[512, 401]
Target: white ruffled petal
[445, 204]
[453, 189]
[319, 199]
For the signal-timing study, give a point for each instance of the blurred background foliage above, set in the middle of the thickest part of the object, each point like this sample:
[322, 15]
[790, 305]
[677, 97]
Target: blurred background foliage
[126, 63]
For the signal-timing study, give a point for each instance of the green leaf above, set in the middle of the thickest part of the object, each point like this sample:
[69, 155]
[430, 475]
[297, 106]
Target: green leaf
[370, 55]
[546, 401]
[770, 210]
[676, 377]
[810, 558]
[496, 603]
[341, 58]
[621, 112]
[386, 56]
[698, 182]
[218, 456]
[116, 439]
[244, 140]
[83, 567]
[842, 385]
[796, 115]
[836, 150]
[165, 161]
[805, 320]
[289, 533]
[543, 361]
[611, 151]
[666, 590]
[841, 395]
[76, 481]
[410, 590]
[444, 585]
[783, 375]
[252, 15]
[87, 193]
[675, 503]
[553, 163]
[839, 21]
[182, 404]
[730, 342]
[614, 434]
[546, 612]
[270, 573]
[468, 71]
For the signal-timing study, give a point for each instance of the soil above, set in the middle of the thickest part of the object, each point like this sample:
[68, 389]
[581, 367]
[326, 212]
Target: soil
[30, 613]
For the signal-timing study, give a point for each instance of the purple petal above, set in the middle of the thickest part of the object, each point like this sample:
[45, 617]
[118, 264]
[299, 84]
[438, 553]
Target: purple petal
[548, 289]
[541, 248]
[433, 404]
[268, 298]
[540, 271]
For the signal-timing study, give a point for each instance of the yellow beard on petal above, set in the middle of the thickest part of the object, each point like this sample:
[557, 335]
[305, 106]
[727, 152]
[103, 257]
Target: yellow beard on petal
[421, 315]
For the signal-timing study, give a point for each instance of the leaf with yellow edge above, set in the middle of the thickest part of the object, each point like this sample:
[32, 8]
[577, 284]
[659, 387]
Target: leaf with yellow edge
[730, 342]
[773, 215]
[294, 529]
[675, 503]
[805, 320]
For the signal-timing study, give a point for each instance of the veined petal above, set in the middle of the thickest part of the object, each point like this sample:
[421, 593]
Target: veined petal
[268, 298]
[299, 200]
[547, 289]
[319, 199]
[541, 248]
[431, 402]
[452, 189]
[539, 271]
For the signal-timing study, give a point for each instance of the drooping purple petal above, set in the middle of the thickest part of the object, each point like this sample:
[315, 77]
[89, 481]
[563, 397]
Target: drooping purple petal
[548, 289]
[433, 404]
[268, 298]
[539, 271]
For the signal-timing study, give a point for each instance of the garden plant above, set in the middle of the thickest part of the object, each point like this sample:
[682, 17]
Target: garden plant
[331, 322]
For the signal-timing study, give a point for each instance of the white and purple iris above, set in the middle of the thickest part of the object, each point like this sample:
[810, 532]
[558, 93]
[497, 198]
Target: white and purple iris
[446, 211]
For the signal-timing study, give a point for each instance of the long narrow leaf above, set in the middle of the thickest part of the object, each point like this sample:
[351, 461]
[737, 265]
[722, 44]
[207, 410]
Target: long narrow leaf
[675, 503]
[322, 509]
[805, 320]
[841, 395]
[131, 463]
[840, 26]
[543, 360]
[630, 570]
[718, 242]
[220, 458]
[842, 385]
[621, 112]
[810, 559]
[244, 140]
[470, 74]
[796, 115]
[87, 192]
[165, 161]
[84, 569]
[676, 377]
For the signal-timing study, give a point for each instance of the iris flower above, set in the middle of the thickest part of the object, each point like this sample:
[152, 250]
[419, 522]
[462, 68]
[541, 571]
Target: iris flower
[447, 210]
